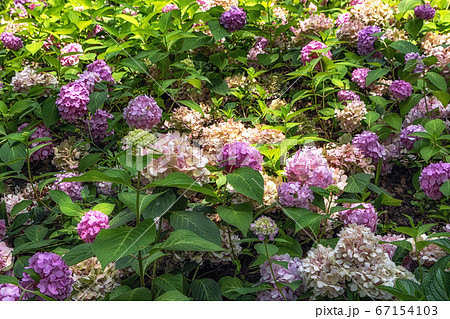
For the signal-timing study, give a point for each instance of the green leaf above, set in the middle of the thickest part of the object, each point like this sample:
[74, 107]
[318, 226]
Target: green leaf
[49, 112]
[147, 261]
[371, 117]
[261, 249]
[14, 155]
[165, 20]
[129, 199]
[194, 43]
[428, 152]
[78, 254]
[303, 217]
[437, 80]
[161, 205]
[173, 296]
[196, 223]
[404, 46]
[445, 188]
[238, 215]
[414, 26]
[112, 244]
[219, 59]
[20, 207]
[105, 208]
[138, 294]
[443, 243]
[388, 200]
[435, 127]
[9, 280]
[71, 209]
[96, 101]
[394, 120]
[122, 218]
[193, 105]
[88, 161]
[34, 47]
[400, 243]
[217, 30]
[111, 176]
[31, 246]
[36, 232]
[135, 65]
[406, 106]
[437, 288]
[357, 183]
[169, 282]
[188, 241]
[442, 96]
[206, 289]
[374, 75]
[406, 5]
[130, 19]
[60, 197]
[248, 182]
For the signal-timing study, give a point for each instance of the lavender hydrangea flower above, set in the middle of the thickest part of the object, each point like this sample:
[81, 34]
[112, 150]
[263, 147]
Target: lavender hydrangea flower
[56, 281]
[366, 216]
[2, 229]
[401, 89]
[91, 224]
[432, 177]
[345, 95]
[88, 79]
[72, 101]
[142, 112]
[239, 154]
[10, 41]
[367, 142]
[294, 194]
[97, 125]
[40, 131]
[425, 12]
[366, 41]
[307, 54]
[292, 273]
[102, 69]
[70, 60]
[264, 226]
[73, 189]
[9, 292]
[169, 7]
[359, 76]
[409, 140]
[420, 66]
[275, 295]
[233, 19]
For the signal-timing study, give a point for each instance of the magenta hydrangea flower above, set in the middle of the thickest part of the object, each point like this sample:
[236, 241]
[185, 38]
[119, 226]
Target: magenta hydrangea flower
[359, 76]
[294, 194]
[409, 140]
[70, 60]
[346, 95]
[91, 224]
[56, 281]
[233, 19]
[97, 125]
[2, 229]
[389, 248]
[40, 131]
[169, 7]
[420, 66]
[342, 18]
[264, 226]
[142, 112]
[401, 89]
[9, 292]
[89, 80]
[425, 12]
[10, 41]
[366, 41]
[102, 69]
[73, 189]
[309, 167]
[432, 177]
[367, 142]
[307, 54]
[366, 216]
[239, 154]
[72, 101]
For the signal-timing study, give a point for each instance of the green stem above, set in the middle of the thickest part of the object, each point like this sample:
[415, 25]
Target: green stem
[377, 176]
[271, 270]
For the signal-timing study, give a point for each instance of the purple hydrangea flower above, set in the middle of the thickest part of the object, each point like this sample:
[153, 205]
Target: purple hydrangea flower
[401, 89]
[72, 101]
[359, 76]
[264, 226]
[258, 48]
[102, 69]
[307, 54]
[40, 131]
[97, 125]
[425, 12]
[389, 248]
[292, 273]
[367, 142]
[88, 79]
[70, 60]
[169, 7]
[366, 216]
[345, 95]
[294, 194]
[2, 229]
[420, 66]
[9, 292]
[142, 112]
[432, 177]
[409, 140]
[73, 189]
[91, 224]
[11, 41]
[366, 41]
[239, 154]
[56, 281]
[233, 19]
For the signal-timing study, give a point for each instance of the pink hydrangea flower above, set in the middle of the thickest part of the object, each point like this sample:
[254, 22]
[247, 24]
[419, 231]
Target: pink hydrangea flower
[169, 7]
[72, 101]
[366, 216]
[307, 54]
[432, 178]
[359, 77]
[91, 224]
[73, 189]
[40, 131]
[294, 194]
[342, 18]
[401, 89]
[142, 112]
[239, 154]
[70, 60]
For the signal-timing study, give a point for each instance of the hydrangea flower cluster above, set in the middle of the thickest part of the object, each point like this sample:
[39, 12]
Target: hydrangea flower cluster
[258, 48]
[389, 248]
[349, 30]
[307, 54]
[138, 141]
[351, 115]
[56, 281]
[40, 131]
[23, 81]
[367, 142]
[70, 60]
[73, 189]
[434, 44]
[5, 256]
[264, 226]
[366, 215]
[312, 25]
[186, 118]
[169, 7]
[69, 152]
[233, 19]
[9, 292]
[239, 154]
[409, 140]
[102, 69]
[429, 107]
[425, 12]
[366, 41]
[372, 12]
[142, 112]
[294, 194]
[428, 255]
[432, 177]
[342, 18]
[72, 101]
[359, 76]
[309, 167]
[420, 66]
[401, 89]
[11, 41]
[97, 125]
[91, 224]
[346, 95]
